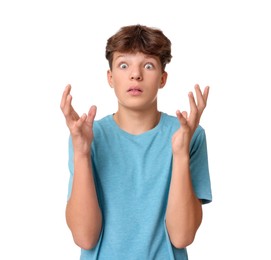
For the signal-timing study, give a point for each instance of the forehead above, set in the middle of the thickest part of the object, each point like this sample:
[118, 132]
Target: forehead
[136, 55]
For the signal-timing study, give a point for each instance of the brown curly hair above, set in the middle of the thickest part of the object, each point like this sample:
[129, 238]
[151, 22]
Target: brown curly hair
[139, 38]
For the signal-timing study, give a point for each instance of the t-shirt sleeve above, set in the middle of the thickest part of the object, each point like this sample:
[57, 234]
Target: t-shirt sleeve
[199, 167]
[71, 167]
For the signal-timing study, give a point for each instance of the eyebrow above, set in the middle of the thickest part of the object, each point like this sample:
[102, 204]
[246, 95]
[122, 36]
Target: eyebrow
[120, 56]
[145, 56]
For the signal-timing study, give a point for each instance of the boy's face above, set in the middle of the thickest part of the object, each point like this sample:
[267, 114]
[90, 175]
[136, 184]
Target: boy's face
[136, 79]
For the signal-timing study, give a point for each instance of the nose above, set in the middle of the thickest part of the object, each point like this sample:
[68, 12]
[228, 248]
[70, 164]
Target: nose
[136, 75]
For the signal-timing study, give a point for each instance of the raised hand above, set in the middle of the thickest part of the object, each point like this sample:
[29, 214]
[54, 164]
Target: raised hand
[188, 124]
[80, 127]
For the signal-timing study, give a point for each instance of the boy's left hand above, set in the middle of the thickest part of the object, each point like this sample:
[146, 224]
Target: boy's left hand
[188, 124]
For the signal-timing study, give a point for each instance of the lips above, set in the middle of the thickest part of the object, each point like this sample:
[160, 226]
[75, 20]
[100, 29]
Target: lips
[135, 89]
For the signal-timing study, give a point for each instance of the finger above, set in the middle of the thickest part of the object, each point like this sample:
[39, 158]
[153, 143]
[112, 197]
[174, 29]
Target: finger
[193, 106]
[67, 107]
[201, 98]
[66, 92]
[206, 94]
[181, 117]
[91, 114]
[184, 113]
[81, 120]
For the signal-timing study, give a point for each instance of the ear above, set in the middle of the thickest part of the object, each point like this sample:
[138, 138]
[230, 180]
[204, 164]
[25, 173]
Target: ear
[109, 78]
[163, 79]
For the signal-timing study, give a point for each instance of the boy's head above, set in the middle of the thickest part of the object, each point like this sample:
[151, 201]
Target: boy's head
[139, 38]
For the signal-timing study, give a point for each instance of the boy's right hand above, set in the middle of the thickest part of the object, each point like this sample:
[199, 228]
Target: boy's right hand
[80, 127]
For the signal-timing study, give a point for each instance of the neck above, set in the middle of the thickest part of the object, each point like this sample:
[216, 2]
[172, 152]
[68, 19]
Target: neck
[137, 122]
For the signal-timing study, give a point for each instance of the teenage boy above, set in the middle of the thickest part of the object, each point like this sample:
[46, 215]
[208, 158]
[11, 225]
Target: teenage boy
[139, 176]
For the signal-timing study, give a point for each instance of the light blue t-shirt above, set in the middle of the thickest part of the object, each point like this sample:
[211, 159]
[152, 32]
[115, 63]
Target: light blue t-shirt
[132, 175]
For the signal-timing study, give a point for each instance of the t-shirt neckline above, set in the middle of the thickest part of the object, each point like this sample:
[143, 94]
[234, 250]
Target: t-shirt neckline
[147, 133]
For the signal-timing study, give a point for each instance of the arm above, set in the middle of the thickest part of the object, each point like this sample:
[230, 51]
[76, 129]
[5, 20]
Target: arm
[184, 210]
[83, 213]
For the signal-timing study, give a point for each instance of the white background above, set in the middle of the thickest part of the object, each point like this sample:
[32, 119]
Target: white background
[46, 44]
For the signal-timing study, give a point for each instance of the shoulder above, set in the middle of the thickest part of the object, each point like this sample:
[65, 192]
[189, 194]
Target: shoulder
[104, 129]
[172, 121]
[102, 123]
[169, 121]
[169, 118]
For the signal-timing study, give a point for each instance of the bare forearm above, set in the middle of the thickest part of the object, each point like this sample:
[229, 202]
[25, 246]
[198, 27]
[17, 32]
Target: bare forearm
[184, 212]
[83, 213]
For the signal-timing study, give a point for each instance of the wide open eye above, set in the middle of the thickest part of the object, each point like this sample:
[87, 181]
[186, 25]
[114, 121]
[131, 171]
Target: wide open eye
[123, 65]
[148, 66]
